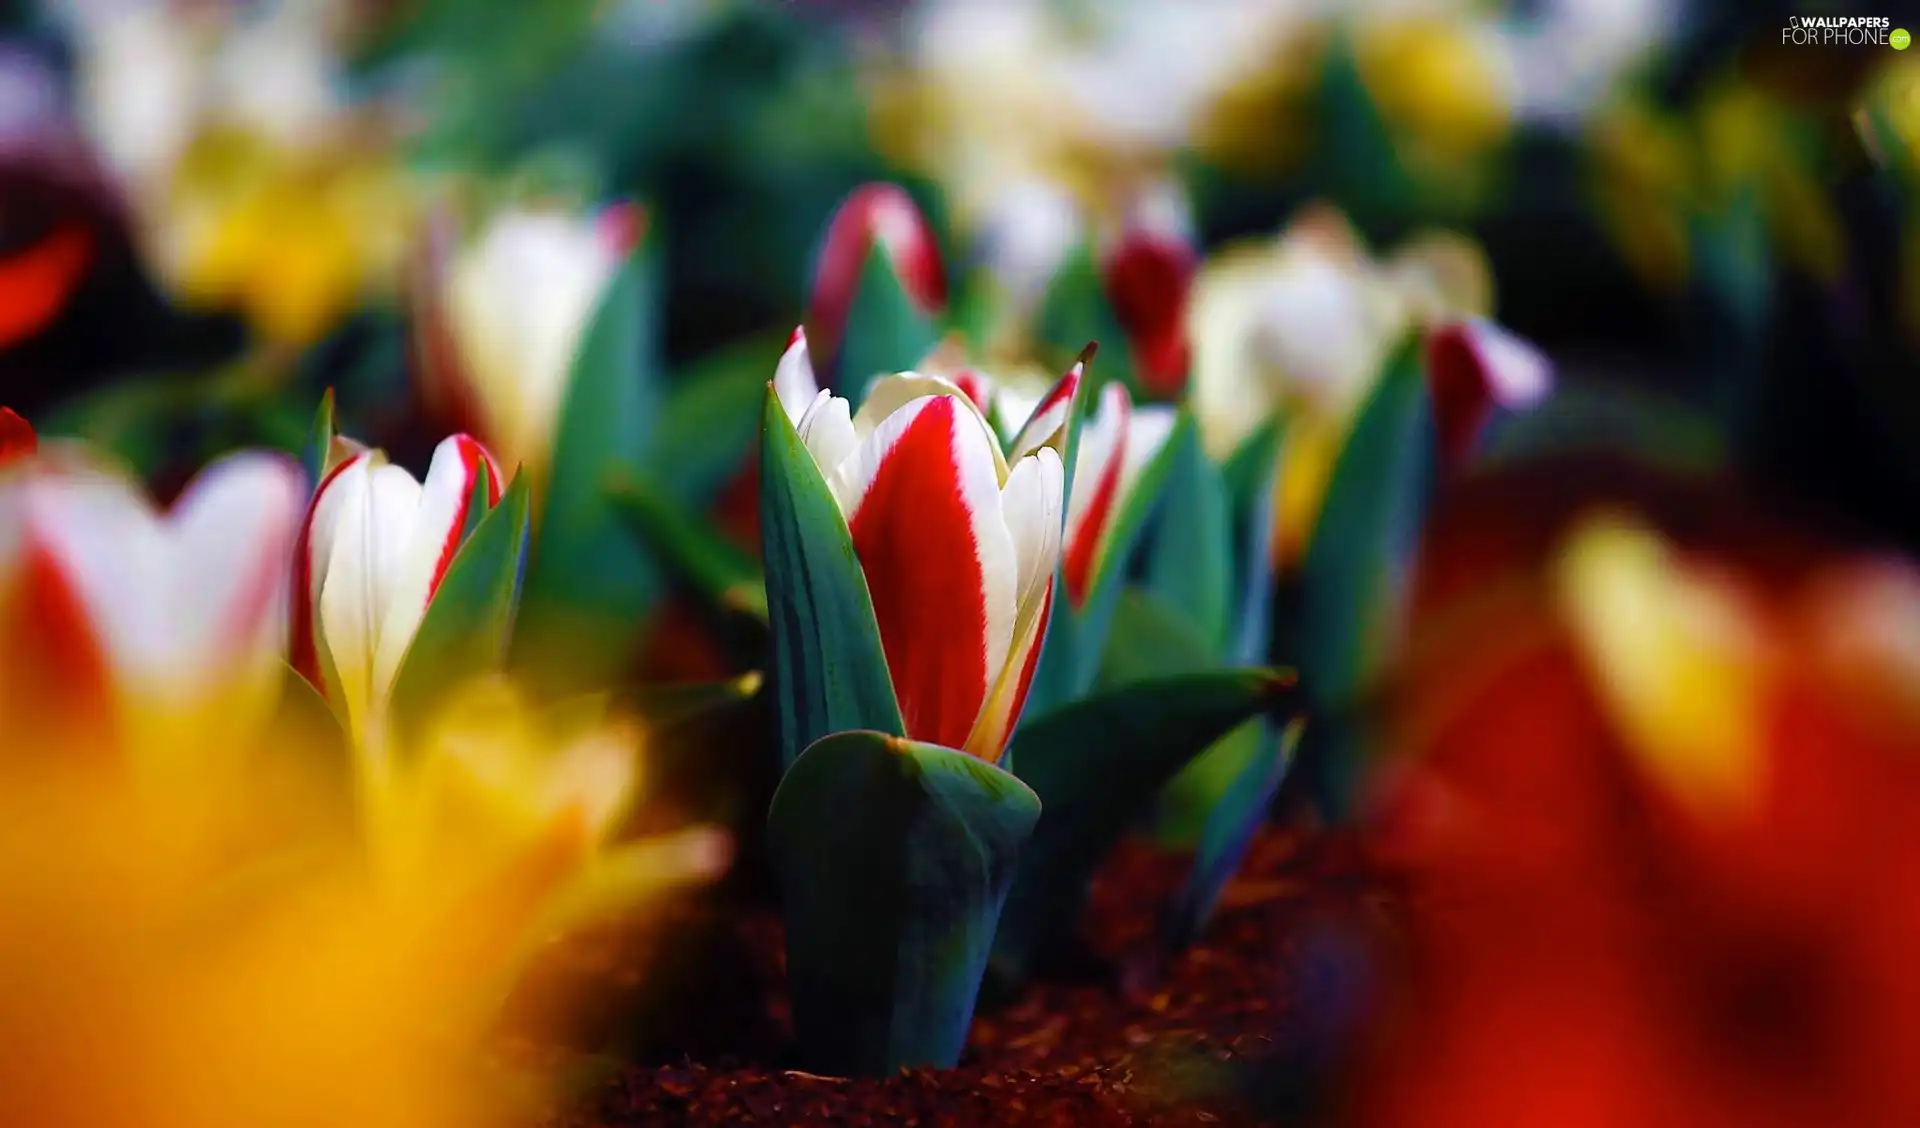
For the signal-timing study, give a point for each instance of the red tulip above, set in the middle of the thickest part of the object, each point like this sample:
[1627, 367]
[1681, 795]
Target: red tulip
[17, 439]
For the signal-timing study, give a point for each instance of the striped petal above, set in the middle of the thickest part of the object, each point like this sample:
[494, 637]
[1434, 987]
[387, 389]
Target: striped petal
[378, 506]
[1032, 505]
[1097, 479]
[1476, 367]
[793, 379]
[889, 394]
[923, 500]
[881, 215]
[175, 601]
[313, 550]
[459, 465]
[1047, 426]
[976, 386]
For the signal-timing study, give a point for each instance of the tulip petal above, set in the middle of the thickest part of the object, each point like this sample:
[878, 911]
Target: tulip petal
[1032, 504]
[1475, 367]
[311, 552]
[923, 502]
[378, 507]
[460, 467]
[1098, 470]
[975, 386]
[826, 429]
[233, 532]
[1047, 426]
[889, 394]
[172, 601]
[794, 380]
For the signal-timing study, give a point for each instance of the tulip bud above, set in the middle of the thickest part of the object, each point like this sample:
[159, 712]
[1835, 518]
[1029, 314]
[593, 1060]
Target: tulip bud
[880, 217]
[1146, 272]
[375, 547]
[113, 609]
[504, 323]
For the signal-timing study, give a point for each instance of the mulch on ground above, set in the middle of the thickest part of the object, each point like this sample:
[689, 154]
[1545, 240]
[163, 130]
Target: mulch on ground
[1116, 1036]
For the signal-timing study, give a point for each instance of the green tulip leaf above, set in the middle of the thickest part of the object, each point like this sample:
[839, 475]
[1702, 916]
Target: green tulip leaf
[829, 673]
[1229, 828]
[718, 570]
[706, 430]
[1252, 476]
[1189, 555]
[313, 454]
[1097, 766]
[1361, 551]
[893, 859]
[591, 579]
[885, 331]
[469, 623]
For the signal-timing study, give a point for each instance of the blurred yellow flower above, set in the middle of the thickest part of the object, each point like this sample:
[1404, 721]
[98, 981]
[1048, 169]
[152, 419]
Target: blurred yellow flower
[1442, 86]
[256, 948]
[255, 185]
[1679, 656]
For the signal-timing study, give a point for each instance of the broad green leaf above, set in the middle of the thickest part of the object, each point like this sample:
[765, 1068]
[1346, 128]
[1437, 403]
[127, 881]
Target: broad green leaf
[1229, 829]
[893, 858]
[1190, 550]
[827, 669]
[591, 580]
[1252, 475]
[713, 566]
[469, 623]
[707, 426]
[885, 332]
[1362, 549]
[1097, 766]
[1152, 639]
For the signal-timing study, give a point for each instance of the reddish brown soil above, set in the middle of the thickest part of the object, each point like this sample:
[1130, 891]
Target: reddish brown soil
[1124, 1038]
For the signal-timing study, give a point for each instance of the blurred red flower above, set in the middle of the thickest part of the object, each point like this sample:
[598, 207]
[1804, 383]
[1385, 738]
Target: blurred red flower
[1655, 827]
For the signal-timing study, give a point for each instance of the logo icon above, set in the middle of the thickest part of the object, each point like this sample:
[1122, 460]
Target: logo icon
[1899, 39]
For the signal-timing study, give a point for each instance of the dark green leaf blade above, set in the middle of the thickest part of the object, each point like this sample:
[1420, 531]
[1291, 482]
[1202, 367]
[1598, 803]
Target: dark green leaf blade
[828, 671]
[1252, 476]
[715, 568]
[894, 858]
[1229, 831]
[1189, 555]
[592, 581]
[707, 426]
[885, 331]
[469, 623]
[1096, 766]
[313, 455]
[1360, 553]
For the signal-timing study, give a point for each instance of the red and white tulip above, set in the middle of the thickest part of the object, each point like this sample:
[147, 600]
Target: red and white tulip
[958, 542]
[376, 544]
[504, 316]
[1116, 443]
[115, 615]
[881, 216]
